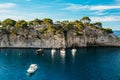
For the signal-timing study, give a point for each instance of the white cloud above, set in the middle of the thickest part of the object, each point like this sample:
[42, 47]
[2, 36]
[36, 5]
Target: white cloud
[101, 7]
[5, 11]
[7, 5]
[75, 7]
[100, 13]
[23, 16]
[106, 18]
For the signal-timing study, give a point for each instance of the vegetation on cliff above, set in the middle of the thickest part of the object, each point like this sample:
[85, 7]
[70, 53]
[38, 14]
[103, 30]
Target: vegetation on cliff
[58, 27]
[66, 33]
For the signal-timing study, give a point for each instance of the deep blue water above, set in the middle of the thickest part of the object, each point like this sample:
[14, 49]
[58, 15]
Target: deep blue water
[86, 64]
[117, 33]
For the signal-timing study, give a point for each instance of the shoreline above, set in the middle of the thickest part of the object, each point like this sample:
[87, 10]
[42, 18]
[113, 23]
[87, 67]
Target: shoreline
[59, 48]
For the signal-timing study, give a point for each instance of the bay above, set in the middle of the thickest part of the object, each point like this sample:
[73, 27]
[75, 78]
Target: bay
[98, 63]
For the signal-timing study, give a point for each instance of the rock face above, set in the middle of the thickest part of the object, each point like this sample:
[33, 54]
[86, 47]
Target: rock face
[33, 38]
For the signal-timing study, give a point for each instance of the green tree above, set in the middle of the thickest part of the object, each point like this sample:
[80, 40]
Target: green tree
[98, 24]
[51, 28]
[21, 24]
[31, 23]
[65, 22]
[78, 25]
[35, 22]
[85, 19]
[108, 30]
[66, 25]
[7, 23]
[47, 21]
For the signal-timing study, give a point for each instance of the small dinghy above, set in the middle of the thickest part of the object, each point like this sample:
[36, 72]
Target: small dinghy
[40, 52]
[32, 68]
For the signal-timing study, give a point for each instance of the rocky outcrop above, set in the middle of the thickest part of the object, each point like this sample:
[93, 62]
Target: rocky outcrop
[33, 38]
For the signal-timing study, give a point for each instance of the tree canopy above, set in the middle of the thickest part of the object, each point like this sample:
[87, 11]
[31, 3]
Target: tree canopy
[98, 24]
[8, 23]
[85, 19]
[47, 25]
[21, 24]
[47, 21]
[108, 30]
[35, 22]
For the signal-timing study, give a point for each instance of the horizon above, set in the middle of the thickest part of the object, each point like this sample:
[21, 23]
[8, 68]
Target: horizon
[106, 12]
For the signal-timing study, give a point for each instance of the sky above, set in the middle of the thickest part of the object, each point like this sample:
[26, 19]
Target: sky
[105, 11]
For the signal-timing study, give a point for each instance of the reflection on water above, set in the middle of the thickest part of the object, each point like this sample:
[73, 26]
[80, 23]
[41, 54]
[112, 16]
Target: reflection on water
[53, 51]
[62, 54]
[73, 54]
[52, 54]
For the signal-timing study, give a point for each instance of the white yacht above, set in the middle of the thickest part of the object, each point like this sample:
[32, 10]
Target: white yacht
[74, 50]
[32, 68]
[53, 50]
[62, 51]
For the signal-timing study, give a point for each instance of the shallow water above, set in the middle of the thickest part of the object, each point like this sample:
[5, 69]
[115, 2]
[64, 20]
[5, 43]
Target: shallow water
[85, 64]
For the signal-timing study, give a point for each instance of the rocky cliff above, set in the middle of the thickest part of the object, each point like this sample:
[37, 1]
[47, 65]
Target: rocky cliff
[35, 39]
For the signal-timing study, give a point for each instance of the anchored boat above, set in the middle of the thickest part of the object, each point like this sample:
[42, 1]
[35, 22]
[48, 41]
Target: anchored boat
[74, 50]
[32, 68]
[40, 52]
[62, 51]
[53, 50]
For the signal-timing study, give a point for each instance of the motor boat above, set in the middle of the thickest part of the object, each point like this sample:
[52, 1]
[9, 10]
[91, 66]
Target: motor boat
[53, 50]
[74, 50]
[62, 51]
[40, 52]
[32, 68]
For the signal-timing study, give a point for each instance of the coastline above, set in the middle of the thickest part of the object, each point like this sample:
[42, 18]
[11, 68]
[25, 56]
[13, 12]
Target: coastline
[66, 35]
[59, 48]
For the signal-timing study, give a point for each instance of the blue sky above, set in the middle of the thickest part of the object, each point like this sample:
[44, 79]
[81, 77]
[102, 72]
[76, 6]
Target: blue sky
[107, 11]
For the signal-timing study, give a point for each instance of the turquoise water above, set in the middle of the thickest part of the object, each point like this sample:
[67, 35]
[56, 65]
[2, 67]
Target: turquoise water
[86, 64]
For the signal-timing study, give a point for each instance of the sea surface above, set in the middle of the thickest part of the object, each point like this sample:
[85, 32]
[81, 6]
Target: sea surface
[117, 33]
[98, 63]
